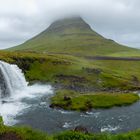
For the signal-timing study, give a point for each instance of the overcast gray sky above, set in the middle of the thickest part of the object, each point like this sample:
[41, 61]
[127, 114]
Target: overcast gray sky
[115, 19]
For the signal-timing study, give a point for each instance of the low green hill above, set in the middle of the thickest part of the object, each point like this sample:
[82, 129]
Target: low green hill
[72, 36]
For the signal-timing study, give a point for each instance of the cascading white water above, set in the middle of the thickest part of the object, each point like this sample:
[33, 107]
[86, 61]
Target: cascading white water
[14, 89]
[12, 79]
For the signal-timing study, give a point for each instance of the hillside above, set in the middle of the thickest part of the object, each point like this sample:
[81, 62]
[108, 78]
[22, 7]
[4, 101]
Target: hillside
[75, 73]
[72, 36]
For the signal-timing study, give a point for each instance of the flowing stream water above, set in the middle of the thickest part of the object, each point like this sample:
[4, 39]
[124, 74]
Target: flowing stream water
[21, 104]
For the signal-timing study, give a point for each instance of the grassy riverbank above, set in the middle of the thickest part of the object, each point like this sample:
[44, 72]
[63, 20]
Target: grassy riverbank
[26, 133]
[70, 100]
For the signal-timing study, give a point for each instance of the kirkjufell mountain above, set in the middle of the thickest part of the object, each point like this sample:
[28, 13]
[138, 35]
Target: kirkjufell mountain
[71, 36]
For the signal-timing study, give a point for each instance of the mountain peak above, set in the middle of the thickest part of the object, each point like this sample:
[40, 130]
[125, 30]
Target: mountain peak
[59, 26]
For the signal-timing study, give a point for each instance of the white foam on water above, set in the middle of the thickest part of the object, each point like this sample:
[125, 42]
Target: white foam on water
[17, 89]
[67, 125]
[14, 105]
[65, 112]
[9, 110]
[109, 128]
[33, 91]
[91, 114]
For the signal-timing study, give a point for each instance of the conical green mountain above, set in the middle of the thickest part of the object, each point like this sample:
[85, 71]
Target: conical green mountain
[71, 36]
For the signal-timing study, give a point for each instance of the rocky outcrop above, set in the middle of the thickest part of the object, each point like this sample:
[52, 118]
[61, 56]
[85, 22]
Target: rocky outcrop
[81, 129]
[3, 86]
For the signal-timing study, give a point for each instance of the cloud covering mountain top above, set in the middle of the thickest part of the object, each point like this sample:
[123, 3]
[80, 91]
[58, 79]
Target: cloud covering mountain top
[23, 19]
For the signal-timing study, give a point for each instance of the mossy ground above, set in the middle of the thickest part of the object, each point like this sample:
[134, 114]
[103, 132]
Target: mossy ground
[77, 73]
[70, 100]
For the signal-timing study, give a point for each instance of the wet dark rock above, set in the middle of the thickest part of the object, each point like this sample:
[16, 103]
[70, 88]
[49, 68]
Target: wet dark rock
[92, 70]
[88, 105]
[66, 98]
[3, 86]
[78, 87]
[25, 63]
[135, 80]
[61, 63]
[72, 78]
[4, 102]
[81, 129]
[52, 105]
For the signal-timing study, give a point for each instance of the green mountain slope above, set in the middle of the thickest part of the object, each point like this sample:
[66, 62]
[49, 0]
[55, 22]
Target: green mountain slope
[72, 36]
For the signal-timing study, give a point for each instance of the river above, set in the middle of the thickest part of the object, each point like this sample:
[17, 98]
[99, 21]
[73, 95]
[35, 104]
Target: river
[117, 119]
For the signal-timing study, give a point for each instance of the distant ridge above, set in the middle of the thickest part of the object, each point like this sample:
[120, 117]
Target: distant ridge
[71, 36]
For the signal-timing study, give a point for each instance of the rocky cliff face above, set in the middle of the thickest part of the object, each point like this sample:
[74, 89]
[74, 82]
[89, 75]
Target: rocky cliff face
[3, 86]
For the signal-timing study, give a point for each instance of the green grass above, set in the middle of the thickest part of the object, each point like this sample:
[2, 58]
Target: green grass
[119, 73]
[78, 75]
[70, 135]
[76, 72]
[134, 53]
[70, 100]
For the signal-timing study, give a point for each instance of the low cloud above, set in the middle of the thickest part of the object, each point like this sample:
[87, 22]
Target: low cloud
[20, 20]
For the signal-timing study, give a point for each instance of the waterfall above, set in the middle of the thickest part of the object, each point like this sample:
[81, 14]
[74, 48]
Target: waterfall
[11, 79]
[14, 89]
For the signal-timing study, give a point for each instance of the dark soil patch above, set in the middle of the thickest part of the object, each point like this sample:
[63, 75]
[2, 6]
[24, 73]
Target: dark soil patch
[10, 136]
[72, 78]
[112, 58]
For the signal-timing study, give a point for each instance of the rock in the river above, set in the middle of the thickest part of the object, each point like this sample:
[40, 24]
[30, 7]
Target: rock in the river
[81, 129]
[66, 98]
[4, 102]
